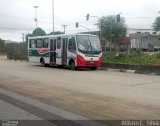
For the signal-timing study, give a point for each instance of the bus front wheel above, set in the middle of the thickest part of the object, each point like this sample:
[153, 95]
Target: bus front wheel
[72, 66]
[42, 62]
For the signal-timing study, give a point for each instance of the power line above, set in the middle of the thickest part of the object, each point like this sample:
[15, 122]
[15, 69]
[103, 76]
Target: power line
[64, 26]
[16, 28]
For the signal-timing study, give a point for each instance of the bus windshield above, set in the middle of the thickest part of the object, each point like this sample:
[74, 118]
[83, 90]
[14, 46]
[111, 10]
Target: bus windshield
[88, 44]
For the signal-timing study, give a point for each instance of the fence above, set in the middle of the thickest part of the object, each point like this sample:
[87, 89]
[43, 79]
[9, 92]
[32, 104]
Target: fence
[17, 51]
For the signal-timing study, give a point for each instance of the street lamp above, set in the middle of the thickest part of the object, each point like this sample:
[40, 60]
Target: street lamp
[35, 19]
[159, 38]
[53, 14]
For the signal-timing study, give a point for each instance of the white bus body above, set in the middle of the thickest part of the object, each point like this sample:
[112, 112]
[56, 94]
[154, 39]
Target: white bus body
[74, 50]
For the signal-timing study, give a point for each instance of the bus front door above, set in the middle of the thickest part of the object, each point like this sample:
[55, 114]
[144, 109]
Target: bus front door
[64, 51]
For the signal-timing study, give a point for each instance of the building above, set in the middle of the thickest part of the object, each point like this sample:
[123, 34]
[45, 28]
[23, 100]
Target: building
[145, 41]
[136, 30]
[9, 41]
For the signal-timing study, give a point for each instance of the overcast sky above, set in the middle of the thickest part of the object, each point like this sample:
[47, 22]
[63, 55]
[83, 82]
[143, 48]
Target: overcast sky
[17, 16]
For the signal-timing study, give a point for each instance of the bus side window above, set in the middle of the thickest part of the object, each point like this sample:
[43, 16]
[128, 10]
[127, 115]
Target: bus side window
[39, 43]
[72, 45]
[58, 42]
[32, 43]
[45, 43]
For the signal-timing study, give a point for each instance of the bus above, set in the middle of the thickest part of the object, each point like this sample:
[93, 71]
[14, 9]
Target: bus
[72, 50]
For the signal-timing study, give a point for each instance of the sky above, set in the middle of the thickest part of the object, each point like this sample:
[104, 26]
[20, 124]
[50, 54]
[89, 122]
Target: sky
[17, 16]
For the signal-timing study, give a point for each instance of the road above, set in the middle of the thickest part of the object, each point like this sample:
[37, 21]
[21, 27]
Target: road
[94, 94]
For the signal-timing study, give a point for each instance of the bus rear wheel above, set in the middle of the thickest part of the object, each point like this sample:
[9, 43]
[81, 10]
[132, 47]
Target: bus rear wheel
[42, 62]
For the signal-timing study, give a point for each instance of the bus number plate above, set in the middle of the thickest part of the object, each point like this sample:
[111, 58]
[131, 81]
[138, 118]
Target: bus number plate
[91, 62]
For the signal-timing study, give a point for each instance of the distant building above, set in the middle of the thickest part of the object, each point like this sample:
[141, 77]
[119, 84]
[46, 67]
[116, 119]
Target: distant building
[136, 30]
[145, 41]
[9, 41]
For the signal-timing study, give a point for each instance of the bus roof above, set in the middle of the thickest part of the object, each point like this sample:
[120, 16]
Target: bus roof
[60, 35]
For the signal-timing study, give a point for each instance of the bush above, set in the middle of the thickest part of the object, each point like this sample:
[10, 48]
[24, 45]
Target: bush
[135, 57]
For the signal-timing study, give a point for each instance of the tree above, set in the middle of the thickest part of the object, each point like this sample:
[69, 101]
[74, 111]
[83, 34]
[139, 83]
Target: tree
[38, 32]
[56, 33]
[28, 35]
[156, 24]
[2, 46]
[111, 29]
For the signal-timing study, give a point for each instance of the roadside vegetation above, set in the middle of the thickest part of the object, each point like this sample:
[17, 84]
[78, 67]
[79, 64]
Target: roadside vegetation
[133, 58]
[17, 51]
[3, 47]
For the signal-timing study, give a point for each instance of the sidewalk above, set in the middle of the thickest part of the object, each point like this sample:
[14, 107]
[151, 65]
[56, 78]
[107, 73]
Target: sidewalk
[10, 111]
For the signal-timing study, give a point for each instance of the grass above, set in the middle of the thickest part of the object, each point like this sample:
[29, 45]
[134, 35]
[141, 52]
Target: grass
[133, 58]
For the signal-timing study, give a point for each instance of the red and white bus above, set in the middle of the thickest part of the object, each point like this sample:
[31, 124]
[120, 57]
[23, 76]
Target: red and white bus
[72, 50]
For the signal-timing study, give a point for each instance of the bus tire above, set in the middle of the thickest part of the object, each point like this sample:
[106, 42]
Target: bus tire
[72, 65]
[93, 68]
[42, 62]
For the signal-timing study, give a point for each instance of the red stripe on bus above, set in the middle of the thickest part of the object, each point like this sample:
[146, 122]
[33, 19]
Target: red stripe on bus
[43, 51]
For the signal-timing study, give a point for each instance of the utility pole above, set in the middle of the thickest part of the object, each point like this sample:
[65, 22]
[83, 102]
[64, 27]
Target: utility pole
[35, 19]
[53, 14]
[64, 26]
[23, 37]
[158, 39]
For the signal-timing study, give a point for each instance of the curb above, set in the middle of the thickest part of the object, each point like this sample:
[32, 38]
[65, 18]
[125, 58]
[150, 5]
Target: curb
[117, 70]
[126, 71]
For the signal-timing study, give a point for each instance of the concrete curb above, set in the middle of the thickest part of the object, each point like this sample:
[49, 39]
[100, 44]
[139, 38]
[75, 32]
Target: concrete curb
[142, 69]
[117, 70]
[126, 71]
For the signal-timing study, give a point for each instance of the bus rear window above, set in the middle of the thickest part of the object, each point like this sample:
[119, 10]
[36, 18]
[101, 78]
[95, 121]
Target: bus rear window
[32, 43]
[39, 43]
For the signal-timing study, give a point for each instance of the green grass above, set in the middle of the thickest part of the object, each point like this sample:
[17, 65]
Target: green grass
[134, 58]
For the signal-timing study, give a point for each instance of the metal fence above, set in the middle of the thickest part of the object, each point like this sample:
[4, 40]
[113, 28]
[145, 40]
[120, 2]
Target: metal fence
[17, 51]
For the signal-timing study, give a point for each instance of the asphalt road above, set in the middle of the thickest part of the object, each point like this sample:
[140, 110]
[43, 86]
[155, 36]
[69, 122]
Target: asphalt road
[94, 94]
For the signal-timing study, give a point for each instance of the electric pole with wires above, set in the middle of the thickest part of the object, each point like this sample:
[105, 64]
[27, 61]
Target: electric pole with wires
[64, 26]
